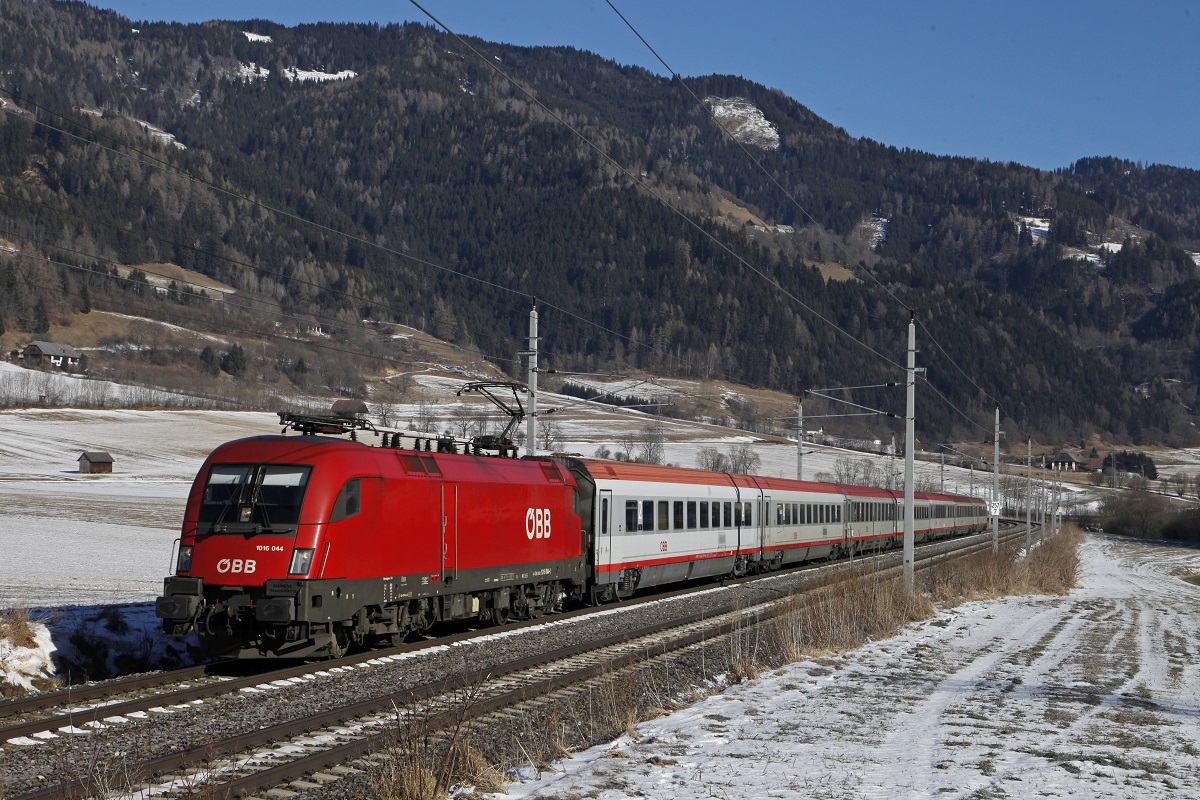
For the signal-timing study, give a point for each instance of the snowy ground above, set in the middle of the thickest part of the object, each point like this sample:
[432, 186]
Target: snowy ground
[1090, 695]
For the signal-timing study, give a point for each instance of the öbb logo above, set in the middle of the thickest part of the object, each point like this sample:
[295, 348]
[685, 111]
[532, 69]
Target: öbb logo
[537, 523]
[244, 566]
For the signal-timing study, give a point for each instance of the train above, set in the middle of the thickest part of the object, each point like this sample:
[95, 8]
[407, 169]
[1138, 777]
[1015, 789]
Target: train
[302, 546]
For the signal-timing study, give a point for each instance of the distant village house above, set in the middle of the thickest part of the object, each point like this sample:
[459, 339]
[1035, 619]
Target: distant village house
[94, 462]
[59, 355]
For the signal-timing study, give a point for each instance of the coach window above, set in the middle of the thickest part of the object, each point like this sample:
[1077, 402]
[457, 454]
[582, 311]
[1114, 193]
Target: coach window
[647, 515]
[348, 503]
[729, 515]
[677, 515]
[691, 514]
[703, 514]
[779, 513]
[631, 515]
[604, 515]
[664, 515]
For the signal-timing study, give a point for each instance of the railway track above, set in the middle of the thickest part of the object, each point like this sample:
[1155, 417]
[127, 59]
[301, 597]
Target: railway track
[314, 748]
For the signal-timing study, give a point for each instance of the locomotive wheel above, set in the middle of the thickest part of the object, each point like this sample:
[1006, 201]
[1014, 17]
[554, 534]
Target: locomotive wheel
[339, 642]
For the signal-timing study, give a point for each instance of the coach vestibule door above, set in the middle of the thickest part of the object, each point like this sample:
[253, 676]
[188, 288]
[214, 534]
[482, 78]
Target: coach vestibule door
[449, 532]
[604, 527]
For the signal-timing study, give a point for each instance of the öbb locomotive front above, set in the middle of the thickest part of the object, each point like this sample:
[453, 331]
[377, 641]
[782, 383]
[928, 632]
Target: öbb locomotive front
[302, 546]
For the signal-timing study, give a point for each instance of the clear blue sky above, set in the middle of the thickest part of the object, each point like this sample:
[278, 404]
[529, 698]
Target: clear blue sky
[1039, 83]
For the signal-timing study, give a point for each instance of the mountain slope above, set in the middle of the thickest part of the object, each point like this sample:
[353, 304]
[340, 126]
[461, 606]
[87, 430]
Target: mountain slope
[427, 156]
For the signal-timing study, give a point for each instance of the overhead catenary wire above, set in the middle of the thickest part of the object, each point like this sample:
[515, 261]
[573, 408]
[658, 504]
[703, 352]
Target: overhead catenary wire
[791, 197]
[533, 98]
[149, 159]
[126, 150]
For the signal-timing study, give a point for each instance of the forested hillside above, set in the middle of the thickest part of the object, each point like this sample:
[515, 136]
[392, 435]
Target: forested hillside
[424, 188]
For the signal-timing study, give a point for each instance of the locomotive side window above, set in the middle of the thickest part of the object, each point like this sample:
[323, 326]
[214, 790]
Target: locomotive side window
[349, 501]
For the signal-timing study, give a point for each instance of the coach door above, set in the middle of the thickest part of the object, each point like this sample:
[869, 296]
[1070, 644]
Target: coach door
[449, 532]
[604, 535]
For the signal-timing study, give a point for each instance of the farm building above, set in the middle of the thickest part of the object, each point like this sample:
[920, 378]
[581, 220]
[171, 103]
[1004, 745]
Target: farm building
[92, 462]
[60, 355]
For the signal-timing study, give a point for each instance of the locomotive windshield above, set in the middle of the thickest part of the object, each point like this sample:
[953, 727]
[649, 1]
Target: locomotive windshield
[260, 497]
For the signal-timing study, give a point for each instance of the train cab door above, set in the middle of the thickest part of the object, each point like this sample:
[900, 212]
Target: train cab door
[604, 525]
[449, 533]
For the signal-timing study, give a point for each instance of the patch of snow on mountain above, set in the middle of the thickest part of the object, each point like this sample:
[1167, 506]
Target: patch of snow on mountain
[876, 229]
[293, 74]
[257, 37]
[252, 71]
[1195, 258]
[1038, 226]
[159, 134]
[745, 121]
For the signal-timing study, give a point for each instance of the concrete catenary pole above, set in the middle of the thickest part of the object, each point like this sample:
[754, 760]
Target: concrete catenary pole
[800, 441]
[910, 438]
[1028, 494]
[531, 420]
[996, 485]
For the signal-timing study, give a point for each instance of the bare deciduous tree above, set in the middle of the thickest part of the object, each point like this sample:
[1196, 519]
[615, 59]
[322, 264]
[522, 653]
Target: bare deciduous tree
[712, 459]
[743, 458]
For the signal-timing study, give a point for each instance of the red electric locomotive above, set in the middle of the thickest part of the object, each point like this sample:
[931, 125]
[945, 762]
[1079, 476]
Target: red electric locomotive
[299, 546]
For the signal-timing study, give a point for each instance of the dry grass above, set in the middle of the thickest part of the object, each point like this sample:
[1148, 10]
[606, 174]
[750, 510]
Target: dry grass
[847, 611]
[1050, 568]
[424, 763]
[16, 632]
[16, 629]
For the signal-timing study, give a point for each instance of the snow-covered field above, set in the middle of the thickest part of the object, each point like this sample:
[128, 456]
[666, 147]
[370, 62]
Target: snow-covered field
[1093, 695]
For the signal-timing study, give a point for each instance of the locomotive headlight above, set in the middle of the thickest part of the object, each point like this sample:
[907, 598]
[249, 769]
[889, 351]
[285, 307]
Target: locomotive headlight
[301, 561]
[184, 563]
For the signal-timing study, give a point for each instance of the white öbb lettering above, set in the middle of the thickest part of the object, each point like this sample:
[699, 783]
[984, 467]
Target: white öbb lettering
[537, 523]
[244, 566]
